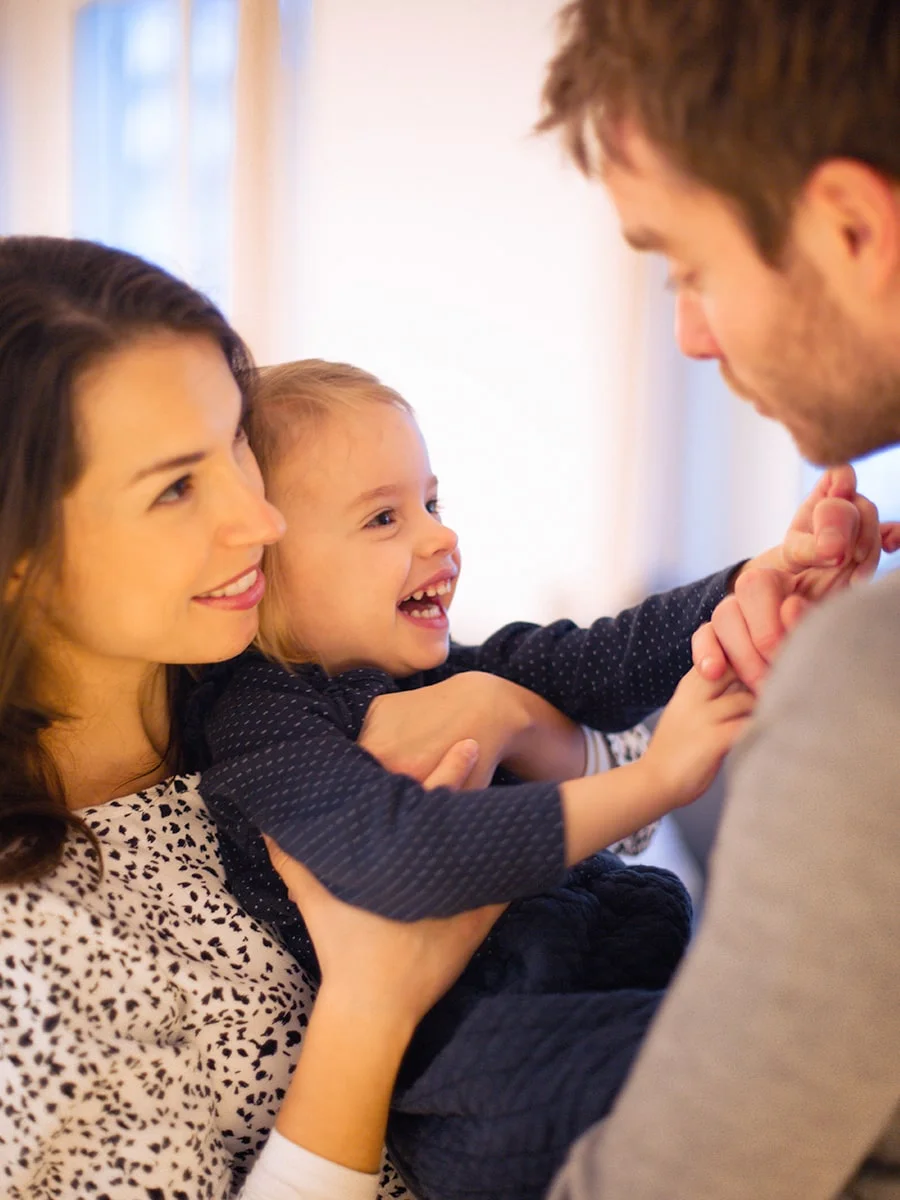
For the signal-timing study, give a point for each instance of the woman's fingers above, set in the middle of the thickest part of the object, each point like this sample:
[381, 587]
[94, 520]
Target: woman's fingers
[455, 767]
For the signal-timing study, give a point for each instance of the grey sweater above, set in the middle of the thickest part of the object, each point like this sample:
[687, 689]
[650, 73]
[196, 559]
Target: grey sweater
[773, 1069]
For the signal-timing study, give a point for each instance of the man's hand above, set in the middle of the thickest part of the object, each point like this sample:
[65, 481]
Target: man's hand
[835, 539]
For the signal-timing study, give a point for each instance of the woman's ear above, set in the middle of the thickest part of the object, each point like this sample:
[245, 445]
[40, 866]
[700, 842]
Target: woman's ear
[15, 580]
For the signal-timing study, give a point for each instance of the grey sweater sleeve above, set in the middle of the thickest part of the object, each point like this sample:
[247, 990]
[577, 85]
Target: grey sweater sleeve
[773, 1068]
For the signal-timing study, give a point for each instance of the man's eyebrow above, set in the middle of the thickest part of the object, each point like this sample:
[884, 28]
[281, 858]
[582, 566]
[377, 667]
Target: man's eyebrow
[170, 464]
[642, 238]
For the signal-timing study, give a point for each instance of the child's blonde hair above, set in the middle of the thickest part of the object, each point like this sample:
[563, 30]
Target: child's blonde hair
[289, 401]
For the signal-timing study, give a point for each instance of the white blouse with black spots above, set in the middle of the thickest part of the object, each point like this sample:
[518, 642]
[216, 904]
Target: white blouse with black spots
[148, 1025]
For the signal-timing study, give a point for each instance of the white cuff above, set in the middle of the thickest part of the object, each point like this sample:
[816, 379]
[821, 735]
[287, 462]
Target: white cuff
[596, 752]
[285, 1171]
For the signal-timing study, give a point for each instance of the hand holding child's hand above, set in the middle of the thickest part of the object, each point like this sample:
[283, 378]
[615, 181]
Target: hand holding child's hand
[698, 727]
[410, 732]
[834, 539]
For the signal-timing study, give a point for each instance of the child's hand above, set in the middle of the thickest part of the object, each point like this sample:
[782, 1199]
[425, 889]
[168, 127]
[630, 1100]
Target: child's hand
[699, 726]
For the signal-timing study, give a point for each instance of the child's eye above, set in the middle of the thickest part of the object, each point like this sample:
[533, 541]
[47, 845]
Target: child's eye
[382, 519]
[434, 506]
[240, 434]
[176, 491]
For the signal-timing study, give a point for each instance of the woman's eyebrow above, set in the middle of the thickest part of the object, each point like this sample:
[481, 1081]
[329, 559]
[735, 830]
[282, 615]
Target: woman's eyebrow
[170, 464]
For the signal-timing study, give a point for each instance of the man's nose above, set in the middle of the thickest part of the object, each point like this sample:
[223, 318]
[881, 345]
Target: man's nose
[692, 332]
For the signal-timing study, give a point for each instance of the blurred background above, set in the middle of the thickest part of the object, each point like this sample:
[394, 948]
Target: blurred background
[358, 180]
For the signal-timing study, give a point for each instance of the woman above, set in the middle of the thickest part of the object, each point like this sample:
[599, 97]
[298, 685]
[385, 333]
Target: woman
[149, 1026]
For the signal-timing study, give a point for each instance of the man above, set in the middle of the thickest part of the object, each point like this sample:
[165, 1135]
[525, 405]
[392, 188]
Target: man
[757, 147]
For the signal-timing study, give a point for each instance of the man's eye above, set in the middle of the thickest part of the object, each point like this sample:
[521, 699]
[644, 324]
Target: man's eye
[385, 517]
[680, 283]
[176, 491]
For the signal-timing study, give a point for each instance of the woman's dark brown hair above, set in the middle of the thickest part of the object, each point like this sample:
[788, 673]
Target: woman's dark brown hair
[64, 305]
[744, 96]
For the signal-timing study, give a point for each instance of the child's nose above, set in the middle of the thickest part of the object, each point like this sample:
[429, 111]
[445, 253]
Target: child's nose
[439, 538]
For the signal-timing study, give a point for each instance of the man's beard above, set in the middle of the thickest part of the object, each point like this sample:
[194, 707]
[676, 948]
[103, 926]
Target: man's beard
[836, 394]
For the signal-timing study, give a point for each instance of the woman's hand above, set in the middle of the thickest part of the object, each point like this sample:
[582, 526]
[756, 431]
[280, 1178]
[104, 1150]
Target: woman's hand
[401, 967]
[379, 977]
[409, 732]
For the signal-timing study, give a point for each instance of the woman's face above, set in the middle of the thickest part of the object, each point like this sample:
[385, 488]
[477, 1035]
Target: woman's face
[168, 514]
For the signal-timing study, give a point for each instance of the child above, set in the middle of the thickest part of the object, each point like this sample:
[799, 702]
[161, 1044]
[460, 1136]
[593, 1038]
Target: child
[357, 606]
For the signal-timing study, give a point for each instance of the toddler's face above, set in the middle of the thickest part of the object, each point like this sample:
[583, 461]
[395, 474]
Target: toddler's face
[366, 569]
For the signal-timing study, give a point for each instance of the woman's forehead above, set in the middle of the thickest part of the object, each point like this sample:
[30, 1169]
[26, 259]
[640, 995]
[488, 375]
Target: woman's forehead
[162, 396]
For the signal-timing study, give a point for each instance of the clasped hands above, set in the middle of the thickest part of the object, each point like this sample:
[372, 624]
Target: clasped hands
[834, 540]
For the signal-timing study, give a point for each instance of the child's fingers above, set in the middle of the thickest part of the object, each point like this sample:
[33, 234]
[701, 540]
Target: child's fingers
[733, 704]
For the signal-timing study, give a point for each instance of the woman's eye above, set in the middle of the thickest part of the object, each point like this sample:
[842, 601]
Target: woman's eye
[176, 491]
[385, 517]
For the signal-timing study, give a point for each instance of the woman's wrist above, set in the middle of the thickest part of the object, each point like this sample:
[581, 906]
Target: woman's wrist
[338, 1100]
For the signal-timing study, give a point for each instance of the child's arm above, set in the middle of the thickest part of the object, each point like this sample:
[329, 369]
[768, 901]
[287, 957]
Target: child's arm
[613, 673]
[285, 766]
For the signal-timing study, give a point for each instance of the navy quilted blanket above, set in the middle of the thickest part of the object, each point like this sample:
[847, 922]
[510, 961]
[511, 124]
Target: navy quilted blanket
[533, 1043]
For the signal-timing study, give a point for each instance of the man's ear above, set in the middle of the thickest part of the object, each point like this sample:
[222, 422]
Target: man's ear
[851, 221]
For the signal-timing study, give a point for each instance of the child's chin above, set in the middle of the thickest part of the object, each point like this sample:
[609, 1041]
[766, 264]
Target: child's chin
[425, 662]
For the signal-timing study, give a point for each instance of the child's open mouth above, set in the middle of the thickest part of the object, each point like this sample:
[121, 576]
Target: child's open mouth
[427, 605]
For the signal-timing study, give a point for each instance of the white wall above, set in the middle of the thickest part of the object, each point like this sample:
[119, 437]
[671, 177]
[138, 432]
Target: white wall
[453, 253]
[459, 257]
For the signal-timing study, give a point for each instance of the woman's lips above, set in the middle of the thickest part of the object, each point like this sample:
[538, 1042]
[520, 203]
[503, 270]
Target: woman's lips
[244, 592]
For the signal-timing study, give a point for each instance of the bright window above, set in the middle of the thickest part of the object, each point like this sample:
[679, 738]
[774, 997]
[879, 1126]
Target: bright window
[154, 132]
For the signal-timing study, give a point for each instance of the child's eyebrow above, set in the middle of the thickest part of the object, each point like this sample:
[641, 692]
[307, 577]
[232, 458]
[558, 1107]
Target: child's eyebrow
[386, 490]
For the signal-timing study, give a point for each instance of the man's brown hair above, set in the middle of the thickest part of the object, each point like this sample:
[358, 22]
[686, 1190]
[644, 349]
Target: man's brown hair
[744, 96]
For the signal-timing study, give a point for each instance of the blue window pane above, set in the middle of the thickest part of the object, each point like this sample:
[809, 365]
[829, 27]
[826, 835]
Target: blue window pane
[145, 179]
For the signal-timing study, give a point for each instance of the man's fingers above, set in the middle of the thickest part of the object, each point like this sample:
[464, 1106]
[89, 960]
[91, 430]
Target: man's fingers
[792, 611]
[832, 535]
[455, 767]
[839, 481]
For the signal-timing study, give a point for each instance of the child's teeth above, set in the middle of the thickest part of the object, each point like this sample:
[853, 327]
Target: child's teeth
[417, 595]
[427, 614]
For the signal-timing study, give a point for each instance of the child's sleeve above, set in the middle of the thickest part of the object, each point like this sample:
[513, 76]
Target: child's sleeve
[612, 674]
[284, 764]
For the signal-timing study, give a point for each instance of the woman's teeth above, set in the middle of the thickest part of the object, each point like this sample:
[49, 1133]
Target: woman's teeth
[235, 589]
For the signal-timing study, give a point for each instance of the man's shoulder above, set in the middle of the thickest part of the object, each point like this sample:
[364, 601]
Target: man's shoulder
[849, 646]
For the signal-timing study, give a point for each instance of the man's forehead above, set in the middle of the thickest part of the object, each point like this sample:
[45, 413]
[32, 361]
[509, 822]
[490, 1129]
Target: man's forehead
[654, 201]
